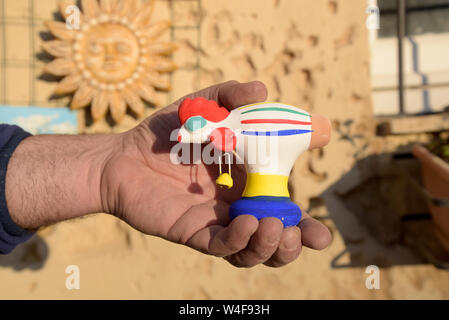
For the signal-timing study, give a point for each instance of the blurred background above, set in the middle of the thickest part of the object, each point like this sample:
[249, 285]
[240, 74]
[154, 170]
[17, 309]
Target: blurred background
[377, 69]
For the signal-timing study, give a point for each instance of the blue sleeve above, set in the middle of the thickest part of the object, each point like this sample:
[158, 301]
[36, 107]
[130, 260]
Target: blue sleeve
[11, 235]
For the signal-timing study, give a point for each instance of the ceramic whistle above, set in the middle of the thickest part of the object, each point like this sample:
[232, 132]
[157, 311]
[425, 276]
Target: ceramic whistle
[267, 138]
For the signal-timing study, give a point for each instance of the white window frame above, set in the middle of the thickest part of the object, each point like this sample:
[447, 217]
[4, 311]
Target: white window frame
[426, 73]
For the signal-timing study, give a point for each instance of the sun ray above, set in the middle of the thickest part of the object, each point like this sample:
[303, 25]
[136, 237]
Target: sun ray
[161, 64]
[57, 48]
[134, 102]
[146, 92]
[157, 29]
[60, 30]
[62, 8]
[60, 67]
[83, 96]
[161, 48]
[118, 106]
[90, 8]
[108, 5]
[127, 8]
[69, 84]
[156, 80]
[144, 15]
[100, 105]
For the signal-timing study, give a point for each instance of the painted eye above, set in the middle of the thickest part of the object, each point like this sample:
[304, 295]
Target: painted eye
[95, 48]
[123, 47]
[195, 123]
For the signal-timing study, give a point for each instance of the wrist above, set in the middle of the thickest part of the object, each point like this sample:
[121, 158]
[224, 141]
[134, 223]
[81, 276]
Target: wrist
[129, 151]
[101, 151]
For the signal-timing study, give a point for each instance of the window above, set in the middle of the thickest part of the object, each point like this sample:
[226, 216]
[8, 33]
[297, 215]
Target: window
[425, 62]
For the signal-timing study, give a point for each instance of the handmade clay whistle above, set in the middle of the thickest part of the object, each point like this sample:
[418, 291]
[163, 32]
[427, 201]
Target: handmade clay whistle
[267, 138]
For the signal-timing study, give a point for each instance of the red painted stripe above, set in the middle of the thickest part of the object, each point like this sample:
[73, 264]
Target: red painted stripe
[286, 121]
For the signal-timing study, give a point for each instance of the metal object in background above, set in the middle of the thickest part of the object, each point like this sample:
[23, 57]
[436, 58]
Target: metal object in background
[401, 8]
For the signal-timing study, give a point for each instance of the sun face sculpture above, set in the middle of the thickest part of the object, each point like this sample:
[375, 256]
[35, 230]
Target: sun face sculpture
[113, 60]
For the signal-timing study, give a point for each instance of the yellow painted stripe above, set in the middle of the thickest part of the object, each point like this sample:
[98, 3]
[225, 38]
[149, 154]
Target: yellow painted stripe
[259, 103]
[277, 109]
[266, 185]
[251, 105]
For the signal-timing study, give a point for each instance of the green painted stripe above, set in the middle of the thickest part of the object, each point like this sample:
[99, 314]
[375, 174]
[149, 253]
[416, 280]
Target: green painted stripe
[277, 109]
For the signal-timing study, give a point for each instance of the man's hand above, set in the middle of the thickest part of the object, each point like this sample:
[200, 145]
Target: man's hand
[181, 203]
[130, 175]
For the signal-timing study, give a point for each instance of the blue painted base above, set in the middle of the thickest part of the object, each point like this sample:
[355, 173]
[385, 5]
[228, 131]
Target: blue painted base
[263, 207]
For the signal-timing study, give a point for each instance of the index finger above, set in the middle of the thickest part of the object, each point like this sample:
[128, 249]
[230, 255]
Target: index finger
[233, 94]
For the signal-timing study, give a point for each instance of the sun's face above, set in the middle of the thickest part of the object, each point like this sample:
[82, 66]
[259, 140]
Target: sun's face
[110, 53]
[114, 60]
